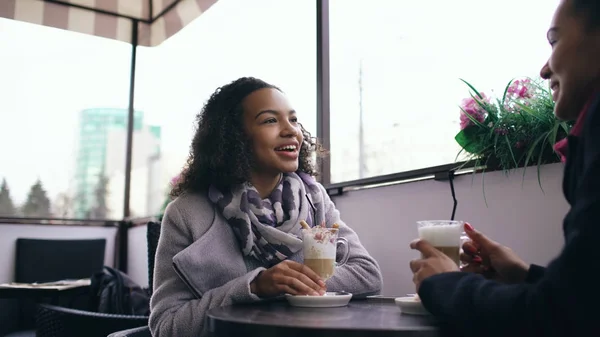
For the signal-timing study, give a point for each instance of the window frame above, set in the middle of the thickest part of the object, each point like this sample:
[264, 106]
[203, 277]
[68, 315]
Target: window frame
[324, 124]
[323, 119]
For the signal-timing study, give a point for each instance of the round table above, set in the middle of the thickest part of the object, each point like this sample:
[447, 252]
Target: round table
[372, 318]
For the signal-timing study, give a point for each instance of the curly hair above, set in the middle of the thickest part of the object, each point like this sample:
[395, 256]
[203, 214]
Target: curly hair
[221, 152]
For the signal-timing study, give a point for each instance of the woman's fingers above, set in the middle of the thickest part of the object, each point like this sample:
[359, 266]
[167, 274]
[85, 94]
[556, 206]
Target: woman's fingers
[305, 270]
[470, 248]
[472, 263]
[467, 258]
[302, 283]
[285, 289]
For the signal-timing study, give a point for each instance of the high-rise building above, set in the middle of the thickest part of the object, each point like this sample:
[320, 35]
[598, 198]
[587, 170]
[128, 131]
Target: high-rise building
[101, 153]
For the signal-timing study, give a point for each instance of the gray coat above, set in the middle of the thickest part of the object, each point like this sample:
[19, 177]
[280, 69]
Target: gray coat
[199, 266]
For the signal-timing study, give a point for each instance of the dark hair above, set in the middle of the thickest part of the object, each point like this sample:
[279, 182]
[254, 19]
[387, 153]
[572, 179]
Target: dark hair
[590, 9]
[221, 152]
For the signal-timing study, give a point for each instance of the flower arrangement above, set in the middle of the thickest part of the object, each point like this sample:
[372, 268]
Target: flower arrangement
[517, 130]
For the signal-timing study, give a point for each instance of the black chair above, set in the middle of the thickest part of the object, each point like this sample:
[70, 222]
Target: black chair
[137, 332]
[42, 260]
[61, 322]
[152, 235]
[45, 260]
[54, 321]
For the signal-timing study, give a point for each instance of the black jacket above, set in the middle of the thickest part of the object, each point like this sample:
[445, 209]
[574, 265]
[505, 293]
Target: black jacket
[562, 300]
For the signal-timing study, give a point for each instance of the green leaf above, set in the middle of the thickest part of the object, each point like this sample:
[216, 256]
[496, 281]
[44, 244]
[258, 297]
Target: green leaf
[530, 111]
[458, 154]
[538, 166]
[530, 152]
[510, 149]
[483, 183]
[481, 104]
[472, 119]
[565, 127]
[552, 139]
[472, 88]
[506, 90]
[465, 138]
[496, 136]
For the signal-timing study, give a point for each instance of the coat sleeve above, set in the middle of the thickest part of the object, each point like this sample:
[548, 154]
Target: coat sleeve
[564, 299]
[175, 309]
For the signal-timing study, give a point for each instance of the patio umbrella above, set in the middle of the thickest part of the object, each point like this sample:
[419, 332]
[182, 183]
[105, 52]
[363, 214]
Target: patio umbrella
[139, 22]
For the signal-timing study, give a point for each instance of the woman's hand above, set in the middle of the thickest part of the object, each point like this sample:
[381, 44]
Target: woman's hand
[491, 259]
[287, 277]
[433, 262]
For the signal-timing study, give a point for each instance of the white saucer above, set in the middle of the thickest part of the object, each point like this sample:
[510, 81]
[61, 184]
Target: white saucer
[329, 300]
[410, 306]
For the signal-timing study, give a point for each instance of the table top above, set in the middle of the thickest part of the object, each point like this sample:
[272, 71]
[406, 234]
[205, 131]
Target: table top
[360, 317]
[6, 293]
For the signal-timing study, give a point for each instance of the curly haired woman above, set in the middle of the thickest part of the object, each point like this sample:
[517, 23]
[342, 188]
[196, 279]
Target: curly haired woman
[232, 235]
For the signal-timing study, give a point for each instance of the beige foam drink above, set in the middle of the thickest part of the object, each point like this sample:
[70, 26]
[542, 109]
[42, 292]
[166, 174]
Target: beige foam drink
[451, 252]
[323, 267]
[320, 248]
[444, 235]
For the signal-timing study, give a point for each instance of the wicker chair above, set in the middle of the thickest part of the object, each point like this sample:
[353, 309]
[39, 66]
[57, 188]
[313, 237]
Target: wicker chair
[54, 321]
[137, 332]
[152, 235]
[62, 259]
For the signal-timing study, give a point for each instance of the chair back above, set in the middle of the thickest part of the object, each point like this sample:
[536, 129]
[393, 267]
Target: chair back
[152, 235]
[53, 321]
[47, 260]
[61, 259]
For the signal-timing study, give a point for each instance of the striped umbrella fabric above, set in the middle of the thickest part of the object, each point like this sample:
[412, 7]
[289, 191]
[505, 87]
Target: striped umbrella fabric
[157, 20]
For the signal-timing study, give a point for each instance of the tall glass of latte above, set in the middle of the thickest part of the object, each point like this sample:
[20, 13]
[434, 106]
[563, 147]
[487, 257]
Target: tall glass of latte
[320, 248]
[444, 235]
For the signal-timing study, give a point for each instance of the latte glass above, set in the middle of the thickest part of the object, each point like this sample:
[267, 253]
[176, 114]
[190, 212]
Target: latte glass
[320, 250]
[446, 236]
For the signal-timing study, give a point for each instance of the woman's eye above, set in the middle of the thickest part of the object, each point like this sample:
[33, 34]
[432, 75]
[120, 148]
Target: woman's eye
[294, 120]
[270, 120]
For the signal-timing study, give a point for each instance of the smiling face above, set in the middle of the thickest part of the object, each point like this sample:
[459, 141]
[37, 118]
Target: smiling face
[272, 126]
[574, 65]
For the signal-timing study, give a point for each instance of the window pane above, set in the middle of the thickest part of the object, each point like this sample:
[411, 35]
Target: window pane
[399, 62]
[270, 39]
[57, 92]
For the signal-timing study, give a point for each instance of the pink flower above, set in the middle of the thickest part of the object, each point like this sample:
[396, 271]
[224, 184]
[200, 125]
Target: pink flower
[520, 89]
[471, 107]
[175, 179]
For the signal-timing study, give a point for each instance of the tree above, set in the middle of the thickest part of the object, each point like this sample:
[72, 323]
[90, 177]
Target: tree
[100, 210]
[63, 206]
[37, 204]
[7, 207]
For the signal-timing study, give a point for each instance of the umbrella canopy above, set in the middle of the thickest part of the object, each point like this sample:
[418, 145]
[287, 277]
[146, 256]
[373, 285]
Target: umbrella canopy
[157, 20]
[139, 22]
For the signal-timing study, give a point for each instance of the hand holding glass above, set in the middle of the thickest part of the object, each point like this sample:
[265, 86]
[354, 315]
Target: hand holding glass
[446, 236]
[320, 248]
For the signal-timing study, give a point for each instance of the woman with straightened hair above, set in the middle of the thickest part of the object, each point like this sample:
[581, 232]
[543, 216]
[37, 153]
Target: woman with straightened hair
[500, 294]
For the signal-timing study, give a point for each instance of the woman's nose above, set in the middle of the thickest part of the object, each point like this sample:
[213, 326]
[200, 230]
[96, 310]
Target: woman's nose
[545, 72]
[289, 130]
